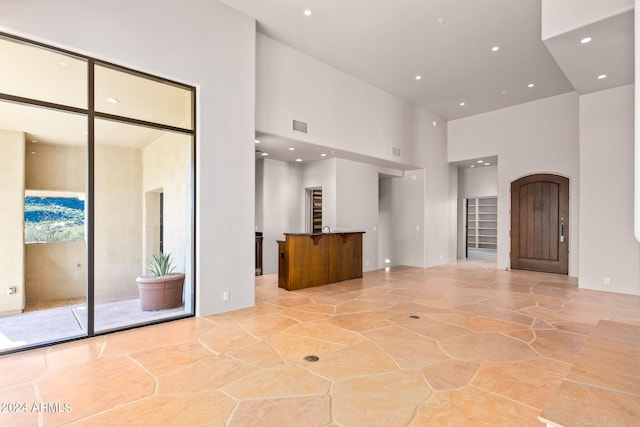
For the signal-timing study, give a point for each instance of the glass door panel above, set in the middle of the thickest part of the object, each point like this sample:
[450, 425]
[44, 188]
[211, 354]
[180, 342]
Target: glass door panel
[43, 246]
[33, 72]
[143, 199]
[130, 95]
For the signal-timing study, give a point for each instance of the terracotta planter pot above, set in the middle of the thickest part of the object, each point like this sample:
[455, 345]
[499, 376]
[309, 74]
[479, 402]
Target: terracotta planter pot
[160, 293]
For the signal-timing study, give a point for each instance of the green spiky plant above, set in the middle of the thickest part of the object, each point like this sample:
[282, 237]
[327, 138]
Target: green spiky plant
[160, 265]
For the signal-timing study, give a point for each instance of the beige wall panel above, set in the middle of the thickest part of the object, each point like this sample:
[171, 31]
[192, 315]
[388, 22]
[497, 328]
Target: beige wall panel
[12, 220]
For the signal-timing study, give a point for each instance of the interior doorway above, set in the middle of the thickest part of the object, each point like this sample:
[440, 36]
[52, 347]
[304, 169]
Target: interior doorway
[478, 209]
[482, 227]
[540, 223]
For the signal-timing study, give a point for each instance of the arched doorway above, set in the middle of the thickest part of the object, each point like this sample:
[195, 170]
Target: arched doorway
[540, 223]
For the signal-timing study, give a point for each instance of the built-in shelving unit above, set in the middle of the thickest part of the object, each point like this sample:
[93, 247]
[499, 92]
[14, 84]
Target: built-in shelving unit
[482, 223]
[316, 210]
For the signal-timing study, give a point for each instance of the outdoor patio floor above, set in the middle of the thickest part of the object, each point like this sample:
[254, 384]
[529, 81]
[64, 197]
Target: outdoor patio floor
[71, 321]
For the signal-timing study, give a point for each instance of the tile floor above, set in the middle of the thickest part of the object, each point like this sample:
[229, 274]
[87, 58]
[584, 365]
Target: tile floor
[603, 385]
[456, 345]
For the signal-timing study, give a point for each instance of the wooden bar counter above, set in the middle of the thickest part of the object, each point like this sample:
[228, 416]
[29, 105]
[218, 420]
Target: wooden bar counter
[307, 260]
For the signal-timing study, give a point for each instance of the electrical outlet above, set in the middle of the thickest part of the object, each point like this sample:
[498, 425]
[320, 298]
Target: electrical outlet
[225, 296]
[607, 281]
[367, 262]
[11, 290]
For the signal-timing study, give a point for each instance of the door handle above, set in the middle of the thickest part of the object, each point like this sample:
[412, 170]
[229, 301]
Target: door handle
[561, 232]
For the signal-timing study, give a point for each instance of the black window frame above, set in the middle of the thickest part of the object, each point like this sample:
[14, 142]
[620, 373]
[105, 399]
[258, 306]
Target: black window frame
[91, 115]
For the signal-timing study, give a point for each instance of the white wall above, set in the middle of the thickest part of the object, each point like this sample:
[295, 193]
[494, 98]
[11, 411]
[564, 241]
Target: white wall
[536, 137]
[357, 198]
[348, 114]
[342, 112]
[282, 196]
[212, 47]
[12, 177]
[637, 123]
[386, 241]
[478, 182]
[562, 16]
[259, 190]
[439, 201]
[607, 244]
[408, 216]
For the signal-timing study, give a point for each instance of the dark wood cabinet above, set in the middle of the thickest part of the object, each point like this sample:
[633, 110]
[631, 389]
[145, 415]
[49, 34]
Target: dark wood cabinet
[307, 260]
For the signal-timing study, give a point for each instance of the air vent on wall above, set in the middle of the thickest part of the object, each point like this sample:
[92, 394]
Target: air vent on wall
[395, 151]
[300, 126]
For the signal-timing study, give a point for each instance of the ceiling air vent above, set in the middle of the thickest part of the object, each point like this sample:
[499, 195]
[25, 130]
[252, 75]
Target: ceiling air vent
[300, 126]
[395, 151]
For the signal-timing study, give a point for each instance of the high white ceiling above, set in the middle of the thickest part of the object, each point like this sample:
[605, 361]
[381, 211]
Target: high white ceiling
[448, 42]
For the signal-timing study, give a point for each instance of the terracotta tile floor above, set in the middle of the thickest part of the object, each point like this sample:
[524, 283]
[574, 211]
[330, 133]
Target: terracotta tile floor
[456, 345]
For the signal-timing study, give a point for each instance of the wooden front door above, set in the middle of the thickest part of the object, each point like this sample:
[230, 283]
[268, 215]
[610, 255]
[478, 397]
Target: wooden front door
[540, 223]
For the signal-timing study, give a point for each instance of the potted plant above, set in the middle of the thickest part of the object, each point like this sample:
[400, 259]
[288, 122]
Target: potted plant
[162, 288]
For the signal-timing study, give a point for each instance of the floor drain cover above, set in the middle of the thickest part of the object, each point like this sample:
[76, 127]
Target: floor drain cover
[311, 358]
[414, 316]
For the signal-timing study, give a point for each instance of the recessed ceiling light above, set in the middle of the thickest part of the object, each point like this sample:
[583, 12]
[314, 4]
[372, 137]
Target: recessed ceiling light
[462, 104]
[418, 77]
[34, 141]
[257, 141]
[602, 76]
[435, 123]
[291, 148]
[264, 154]
[495, 48]
[480, 161]
[531, 85]
[64, 64]
[33, 152]
[585, 40]
[298, 160]
[472, 166]
[487, 164]
[112, 100]
[323, 155]
[307, 12]
[440, 20]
